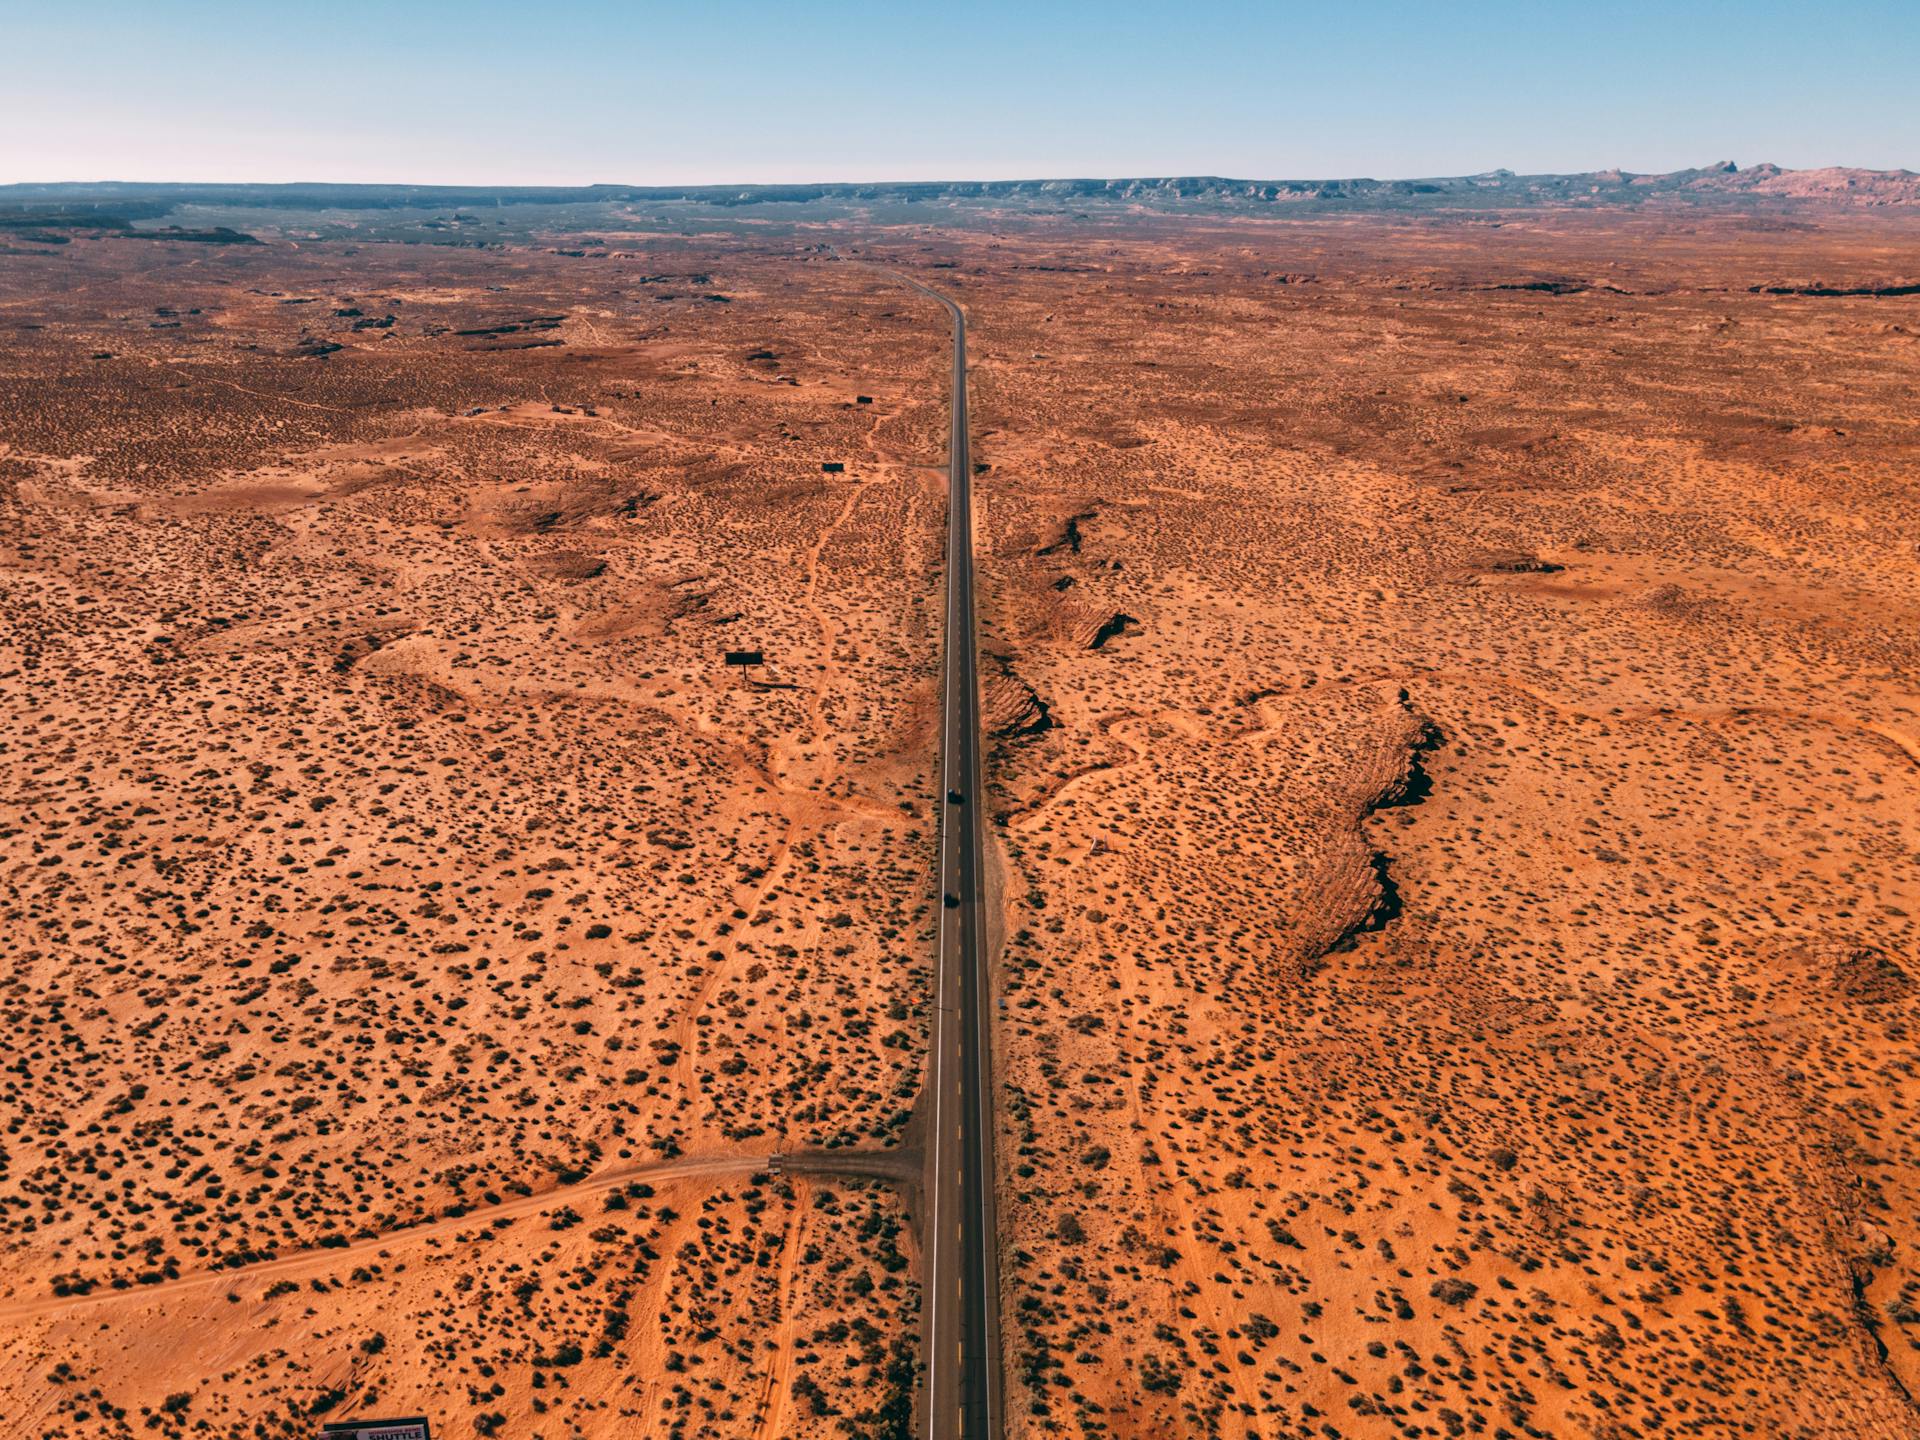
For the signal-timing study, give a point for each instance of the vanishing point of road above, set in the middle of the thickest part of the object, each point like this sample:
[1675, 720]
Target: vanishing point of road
[961, 1397]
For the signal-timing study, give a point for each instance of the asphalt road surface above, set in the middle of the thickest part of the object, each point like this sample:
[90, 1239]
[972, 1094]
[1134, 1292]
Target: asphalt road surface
[962, 1393]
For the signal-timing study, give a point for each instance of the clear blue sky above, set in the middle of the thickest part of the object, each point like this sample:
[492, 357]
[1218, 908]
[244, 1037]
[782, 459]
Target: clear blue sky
[599, 90]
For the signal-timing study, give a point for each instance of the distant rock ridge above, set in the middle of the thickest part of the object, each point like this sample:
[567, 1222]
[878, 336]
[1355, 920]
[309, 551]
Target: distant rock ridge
[1724, 181]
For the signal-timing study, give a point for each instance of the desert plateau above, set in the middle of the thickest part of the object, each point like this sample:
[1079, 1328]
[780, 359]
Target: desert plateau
[1449, 718]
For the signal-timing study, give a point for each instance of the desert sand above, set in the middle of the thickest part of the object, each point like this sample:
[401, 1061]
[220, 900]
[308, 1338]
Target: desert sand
[1455, 786]
[403, 900]
[1460, 794]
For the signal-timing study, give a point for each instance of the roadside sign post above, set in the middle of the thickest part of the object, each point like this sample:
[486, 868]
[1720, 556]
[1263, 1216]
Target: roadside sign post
[745, 659]
[413, 1428]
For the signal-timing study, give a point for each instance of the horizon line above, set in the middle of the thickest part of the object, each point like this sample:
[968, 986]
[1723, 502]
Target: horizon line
[1727, 167]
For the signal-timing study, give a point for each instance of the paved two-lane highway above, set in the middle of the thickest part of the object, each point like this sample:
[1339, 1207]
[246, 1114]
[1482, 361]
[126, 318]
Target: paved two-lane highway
[961, 1397]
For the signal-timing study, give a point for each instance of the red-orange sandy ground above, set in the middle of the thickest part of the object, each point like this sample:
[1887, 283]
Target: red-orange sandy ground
[1455, 783]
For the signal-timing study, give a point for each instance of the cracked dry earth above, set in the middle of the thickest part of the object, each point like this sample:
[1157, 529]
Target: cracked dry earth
[416, 940]
[1459, 788]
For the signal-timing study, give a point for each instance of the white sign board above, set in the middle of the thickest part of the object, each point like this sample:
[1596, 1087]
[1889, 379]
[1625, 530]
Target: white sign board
[376, 1430]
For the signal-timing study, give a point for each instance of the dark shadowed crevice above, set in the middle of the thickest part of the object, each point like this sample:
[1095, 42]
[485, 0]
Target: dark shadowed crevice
[1412, 787]
[1115, 625]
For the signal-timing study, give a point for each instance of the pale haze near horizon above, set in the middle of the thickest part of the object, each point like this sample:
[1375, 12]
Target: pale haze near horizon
[493, 94]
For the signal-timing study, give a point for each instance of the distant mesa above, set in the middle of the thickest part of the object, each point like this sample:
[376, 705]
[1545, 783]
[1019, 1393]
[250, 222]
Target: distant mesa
[112, 207]
[1888, 291]
[55, 224]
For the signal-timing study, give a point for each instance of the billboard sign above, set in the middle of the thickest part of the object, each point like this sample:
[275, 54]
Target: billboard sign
[410, 1429]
